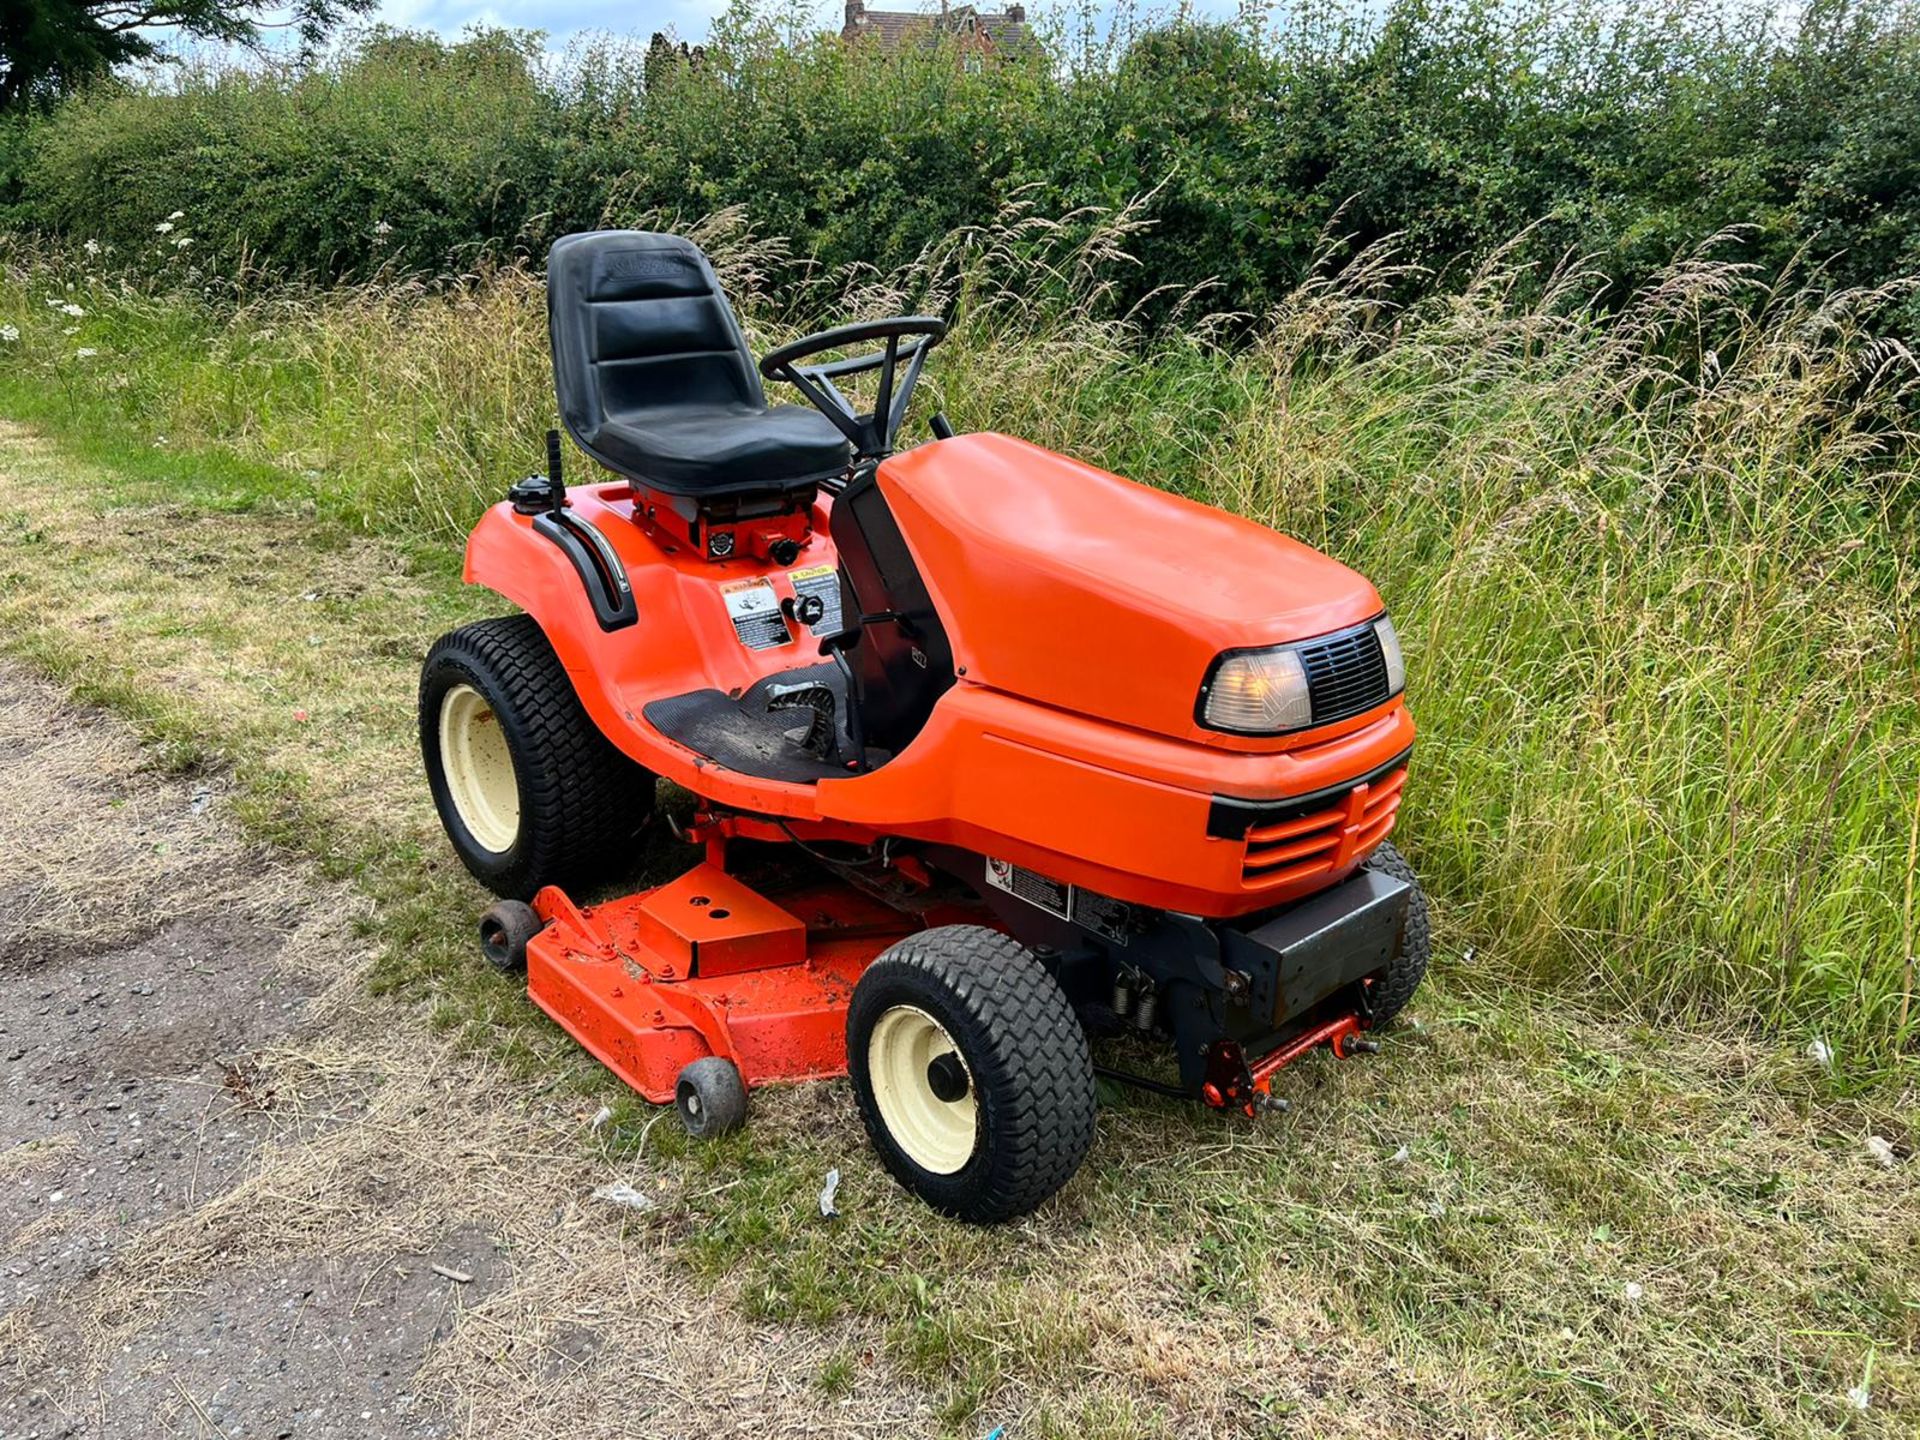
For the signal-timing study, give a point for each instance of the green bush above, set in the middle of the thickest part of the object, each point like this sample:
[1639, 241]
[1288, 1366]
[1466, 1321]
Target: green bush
[1626, 135]
[408, 154]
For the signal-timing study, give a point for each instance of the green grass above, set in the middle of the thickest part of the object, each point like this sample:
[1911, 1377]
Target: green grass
[1638, 669]
[1198, 1274]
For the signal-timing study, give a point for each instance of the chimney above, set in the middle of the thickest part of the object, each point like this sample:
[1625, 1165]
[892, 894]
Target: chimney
[1017, 14]
[856, 14]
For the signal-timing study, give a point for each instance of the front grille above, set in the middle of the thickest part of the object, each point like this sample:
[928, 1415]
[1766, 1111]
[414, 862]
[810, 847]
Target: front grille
[1346, 674]
[1304, 847]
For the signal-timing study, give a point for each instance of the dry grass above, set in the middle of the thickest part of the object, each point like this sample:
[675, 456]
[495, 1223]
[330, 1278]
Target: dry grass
[1197, 1278]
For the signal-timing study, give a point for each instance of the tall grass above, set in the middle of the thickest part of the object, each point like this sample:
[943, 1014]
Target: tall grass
[1654, 562]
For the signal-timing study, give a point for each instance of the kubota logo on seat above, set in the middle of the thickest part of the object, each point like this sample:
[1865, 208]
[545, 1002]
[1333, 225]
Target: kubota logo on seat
[632, 263]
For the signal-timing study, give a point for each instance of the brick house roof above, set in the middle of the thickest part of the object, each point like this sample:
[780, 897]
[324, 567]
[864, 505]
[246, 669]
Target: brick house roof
[1006, 29]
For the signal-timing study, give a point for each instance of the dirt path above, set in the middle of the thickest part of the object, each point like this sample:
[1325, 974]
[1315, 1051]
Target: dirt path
[232, 1186]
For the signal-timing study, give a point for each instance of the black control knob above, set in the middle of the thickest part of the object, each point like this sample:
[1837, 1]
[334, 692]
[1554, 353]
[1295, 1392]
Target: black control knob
[807, 609]
[531, 495]
[784, 551]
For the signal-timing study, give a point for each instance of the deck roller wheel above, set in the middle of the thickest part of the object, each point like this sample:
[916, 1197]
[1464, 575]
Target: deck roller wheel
[505, 929]
[971, 1072]
[710, 1097]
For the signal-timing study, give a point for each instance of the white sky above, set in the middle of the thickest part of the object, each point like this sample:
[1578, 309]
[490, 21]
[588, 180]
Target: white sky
[690, 19]
[559, 18]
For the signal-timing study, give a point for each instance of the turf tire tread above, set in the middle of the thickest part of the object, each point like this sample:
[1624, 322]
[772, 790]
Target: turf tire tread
[1024, 1042]
[1395, 988]
[582, 800]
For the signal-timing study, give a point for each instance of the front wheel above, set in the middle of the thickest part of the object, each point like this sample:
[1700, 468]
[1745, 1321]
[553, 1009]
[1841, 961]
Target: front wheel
[1389, 991]
[529, 790]
[971, 1072]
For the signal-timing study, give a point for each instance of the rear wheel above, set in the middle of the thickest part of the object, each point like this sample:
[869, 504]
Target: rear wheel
[529, 790]
[1389, 991]
[971, 1072]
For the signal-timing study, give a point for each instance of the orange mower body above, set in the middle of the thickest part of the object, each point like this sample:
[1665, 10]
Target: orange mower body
[992, 752]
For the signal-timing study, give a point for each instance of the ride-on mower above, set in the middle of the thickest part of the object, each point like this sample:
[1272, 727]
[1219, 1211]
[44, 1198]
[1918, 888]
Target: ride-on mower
[990, 750]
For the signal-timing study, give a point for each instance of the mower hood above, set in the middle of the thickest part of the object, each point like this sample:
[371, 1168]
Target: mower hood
[1085, 591]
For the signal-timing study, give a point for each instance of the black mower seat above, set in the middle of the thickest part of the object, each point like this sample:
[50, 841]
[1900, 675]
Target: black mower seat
[655, 380]
[702, 448]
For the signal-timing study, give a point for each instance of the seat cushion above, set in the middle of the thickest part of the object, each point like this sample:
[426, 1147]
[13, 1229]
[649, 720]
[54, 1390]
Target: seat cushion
[722, 447]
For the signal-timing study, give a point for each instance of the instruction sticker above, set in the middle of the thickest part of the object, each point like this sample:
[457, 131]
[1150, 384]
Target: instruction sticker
[823, 582]
[1108, 918]
[755, 612]
[1030, 886]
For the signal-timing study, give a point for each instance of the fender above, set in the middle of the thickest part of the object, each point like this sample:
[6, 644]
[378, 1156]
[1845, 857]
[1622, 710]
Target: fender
[540, 575]
[679, 639]
[602, 575]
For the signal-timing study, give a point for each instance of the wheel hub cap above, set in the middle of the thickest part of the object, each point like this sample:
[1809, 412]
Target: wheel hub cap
[479, 769]
[923, 1089]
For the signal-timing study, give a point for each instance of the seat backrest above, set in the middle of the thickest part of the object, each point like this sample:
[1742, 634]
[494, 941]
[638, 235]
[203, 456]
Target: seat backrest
[900, 667]
[638, 322]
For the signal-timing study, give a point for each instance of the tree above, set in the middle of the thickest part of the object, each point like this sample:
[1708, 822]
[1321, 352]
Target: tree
[47, 47]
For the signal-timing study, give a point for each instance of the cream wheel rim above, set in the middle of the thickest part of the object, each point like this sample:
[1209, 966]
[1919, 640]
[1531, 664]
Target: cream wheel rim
[910, 1059]
[479, 769]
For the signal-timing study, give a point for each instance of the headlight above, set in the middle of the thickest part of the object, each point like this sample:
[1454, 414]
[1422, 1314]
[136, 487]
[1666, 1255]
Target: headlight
[1390, 648]
[1260, 690]
[1268, 692]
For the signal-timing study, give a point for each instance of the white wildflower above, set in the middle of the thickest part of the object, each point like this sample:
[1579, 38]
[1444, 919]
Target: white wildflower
[178, 215]
[1820, 1053]
[9, 333]
[55, 303]
[92, 247]
[70, 330]
[383, 228]
[1859, 1397]
[1634, 1290]
[180, 242]
[72, 310]
[85, 352]
[164, 227]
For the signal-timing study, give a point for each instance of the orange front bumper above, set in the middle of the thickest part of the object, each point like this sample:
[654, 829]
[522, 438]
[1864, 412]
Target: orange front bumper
[1130, 815]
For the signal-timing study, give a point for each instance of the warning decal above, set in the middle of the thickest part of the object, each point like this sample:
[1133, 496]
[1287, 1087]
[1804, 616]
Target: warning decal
[1035, 889]
[1108, 918]
[755, 612]
[822, 581]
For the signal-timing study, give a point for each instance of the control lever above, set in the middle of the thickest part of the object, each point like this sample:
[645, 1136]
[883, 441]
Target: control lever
[834, 645]
[556, 483]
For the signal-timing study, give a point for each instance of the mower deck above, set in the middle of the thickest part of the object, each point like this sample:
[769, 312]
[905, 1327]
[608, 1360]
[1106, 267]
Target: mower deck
[707, 965]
